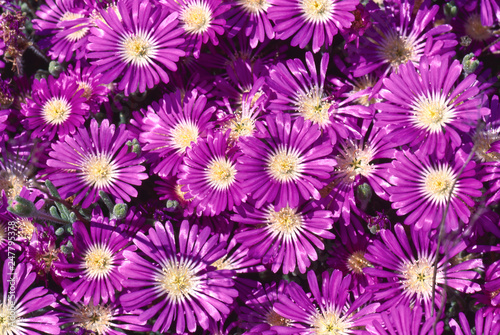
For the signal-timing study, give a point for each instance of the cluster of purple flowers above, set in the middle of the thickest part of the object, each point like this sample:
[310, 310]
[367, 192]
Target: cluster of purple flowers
[250, 167]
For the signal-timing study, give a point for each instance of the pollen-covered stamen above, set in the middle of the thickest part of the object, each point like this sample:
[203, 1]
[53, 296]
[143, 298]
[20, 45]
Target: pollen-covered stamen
[99, 171]
[255, 6]
[86, 87]
[417, 277]
[438, 183]
[221, 173]
[9, 319]
[183, 134]
[98, 261]
[482, 144]
[432, 112]
[223, 263]
[241, 126]
[285, 165]
[197, 17]
[354, 160]
[475, 29]
[356, 262]
[330, 323]
[286, 222]
[313, 106]
[274, 319]
[396, 49]
[178, 280]
[362, 83]
[317, 11]
[56, 110]
[181, 194]
[138, 49]
[78, 34]
[96, 319]
[25, 228]
[11, 183]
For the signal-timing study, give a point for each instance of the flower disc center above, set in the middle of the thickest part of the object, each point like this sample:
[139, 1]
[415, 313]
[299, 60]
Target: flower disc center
[438, 183]
[418, 277]
[183, 134]
[99, 171]
[356, 262]
[98, 261]
[56, 110]
[137, 49]
[312, 107]
[94, 318]
[284, 166]
[329, 323]
[317, 10]
[178, 281]
[221, 173]
[431, 113]
[197, 18]
[286, 221]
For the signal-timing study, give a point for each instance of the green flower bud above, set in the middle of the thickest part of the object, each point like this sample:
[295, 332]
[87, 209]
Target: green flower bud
[470, 63]
[55, 69]
[120, 211]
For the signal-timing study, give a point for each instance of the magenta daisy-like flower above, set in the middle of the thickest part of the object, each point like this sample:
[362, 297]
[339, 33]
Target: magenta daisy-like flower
[171, 125]
[285, 161]
[201, 19]
[22, 305]
[139, 42]
[56, 106]
[174, 279]
[91, 82]
[331, 306]
[430, 107]
[422, 185]
[301, 90]
[319, 20]
[98, 256]
[210, 175]
[397, 36]
[286, 238]
[408, 264]
[69, 23]
[486, 323]
[88, 162]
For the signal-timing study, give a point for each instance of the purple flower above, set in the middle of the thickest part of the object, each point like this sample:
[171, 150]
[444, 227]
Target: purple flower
[201, 19]
[330, 306]
[422, 185]
[398, 37]
[407, 262]
[173, 278]
[56, 107]
[302, 91]
[285, 161]
[23, 311]
[490, 12]
[430, 107]
[92, 84]
[210, 175]
[319, 20]
[98, 256]
[137, 45]
[286, 238]
[171, 125]
[69, 23]
[88, 162]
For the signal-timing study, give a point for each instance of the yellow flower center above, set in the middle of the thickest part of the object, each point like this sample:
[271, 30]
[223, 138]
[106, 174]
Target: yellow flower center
[313, 107]
[431, 113]
[353, 161]
[56, 110]
[397, 50]
[255, 6]
[138, 49]
[86, 87]
[317, 10]
[184, 134]
[77, 35]
[285, 222]
[197, 18]
[284, 165]
[482, 141]
[96, 319]
[11, 184]
[178, 280]
[241, 127]
[25, 228]
[9, 320]
[99, 171]
[438, 183]
[356, 262]
[98, 261]
[221, 173]
[330, 323]
[418, 277]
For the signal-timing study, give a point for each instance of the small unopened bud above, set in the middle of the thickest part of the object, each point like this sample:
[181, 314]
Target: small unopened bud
[450, 10]
[68, 248]
[59, 231]
[55, 69]
[172, 205]
[23, 208]
[465, 41]
[364, 194]
[120, 211]
[470, 63]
